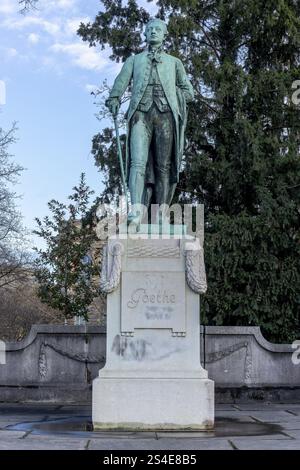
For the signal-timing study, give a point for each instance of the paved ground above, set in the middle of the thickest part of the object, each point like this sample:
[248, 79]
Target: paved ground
[242, 426]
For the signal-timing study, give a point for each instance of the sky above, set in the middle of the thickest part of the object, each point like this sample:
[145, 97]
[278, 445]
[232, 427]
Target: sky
[49, 73]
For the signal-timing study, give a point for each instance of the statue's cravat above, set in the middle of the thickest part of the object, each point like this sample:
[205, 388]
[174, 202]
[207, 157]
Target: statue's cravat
[155, 54]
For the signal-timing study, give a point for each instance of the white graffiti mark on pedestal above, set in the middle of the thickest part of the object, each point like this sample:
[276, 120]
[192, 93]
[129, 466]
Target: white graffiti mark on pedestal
[140, 349]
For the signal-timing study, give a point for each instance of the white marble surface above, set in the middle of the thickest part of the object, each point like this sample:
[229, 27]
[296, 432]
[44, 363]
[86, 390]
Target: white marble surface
[153, 378]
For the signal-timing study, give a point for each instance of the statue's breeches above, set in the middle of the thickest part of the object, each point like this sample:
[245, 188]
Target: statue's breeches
[153, 129]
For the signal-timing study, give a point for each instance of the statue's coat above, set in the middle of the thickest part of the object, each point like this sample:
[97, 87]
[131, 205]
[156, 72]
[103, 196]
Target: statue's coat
[178, 91]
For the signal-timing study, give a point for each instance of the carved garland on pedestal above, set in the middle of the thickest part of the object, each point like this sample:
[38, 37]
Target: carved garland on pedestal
[110, 281]
[194, 269]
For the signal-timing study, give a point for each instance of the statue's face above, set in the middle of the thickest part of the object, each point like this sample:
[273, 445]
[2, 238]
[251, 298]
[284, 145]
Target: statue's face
[155, 33]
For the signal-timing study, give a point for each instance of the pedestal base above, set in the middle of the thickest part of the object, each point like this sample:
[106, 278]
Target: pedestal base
[152, 378]
[153, 404]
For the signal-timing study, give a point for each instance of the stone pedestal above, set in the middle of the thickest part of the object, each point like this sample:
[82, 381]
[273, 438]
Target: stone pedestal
[152, 378]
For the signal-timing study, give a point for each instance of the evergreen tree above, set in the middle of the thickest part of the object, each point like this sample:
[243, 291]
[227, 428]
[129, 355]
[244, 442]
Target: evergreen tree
[242, 157]
[64, 269]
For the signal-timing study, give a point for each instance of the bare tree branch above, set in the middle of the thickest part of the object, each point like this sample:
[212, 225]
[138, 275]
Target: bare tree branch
[27, 5]
[14, 258]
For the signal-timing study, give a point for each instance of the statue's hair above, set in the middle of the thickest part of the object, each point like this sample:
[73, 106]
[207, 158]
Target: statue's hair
[152, 20]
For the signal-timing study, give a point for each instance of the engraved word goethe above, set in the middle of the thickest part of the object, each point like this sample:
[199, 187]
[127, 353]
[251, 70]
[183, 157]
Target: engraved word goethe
[157, 302]
[142, 295]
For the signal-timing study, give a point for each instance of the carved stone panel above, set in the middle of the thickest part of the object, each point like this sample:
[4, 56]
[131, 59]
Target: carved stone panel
[153, 249]
[153, 300]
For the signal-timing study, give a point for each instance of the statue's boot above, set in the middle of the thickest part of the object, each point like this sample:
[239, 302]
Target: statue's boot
[136, 187]
[162, 196]
[134, 219]
[171, 193]
[162, 189]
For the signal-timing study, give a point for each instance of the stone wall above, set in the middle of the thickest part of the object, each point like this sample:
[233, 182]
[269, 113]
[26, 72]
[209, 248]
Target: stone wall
[246, 366]
[53, 363]
[57, 363]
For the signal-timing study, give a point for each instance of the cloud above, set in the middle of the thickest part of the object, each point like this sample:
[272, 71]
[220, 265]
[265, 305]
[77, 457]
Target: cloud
[65, 4]
[8, 52]
[51, 27]
[152, 8]
[72, 25]
[58, 27]
[11, 52]
[48, 6]
[81, 55]
[90, 88]
[55, 23]
[2, 92]
[51, 63]
[33, 38]
[8, 7]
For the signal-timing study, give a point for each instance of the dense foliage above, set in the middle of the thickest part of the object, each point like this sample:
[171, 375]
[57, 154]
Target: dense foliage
[242, 157]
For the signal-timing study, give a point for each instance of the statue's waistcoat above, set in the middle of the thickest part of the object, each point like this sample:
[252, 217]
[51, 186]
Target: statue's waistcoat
[154, 93]
[166, 69]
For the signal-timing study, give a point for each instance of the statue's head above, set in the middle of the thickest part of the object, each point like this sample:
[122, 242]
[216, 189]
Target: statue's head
[155, 32]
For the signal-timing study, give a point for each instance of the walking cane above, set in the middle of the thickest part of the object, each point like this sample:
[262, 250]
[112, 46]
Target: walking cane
[120, 158]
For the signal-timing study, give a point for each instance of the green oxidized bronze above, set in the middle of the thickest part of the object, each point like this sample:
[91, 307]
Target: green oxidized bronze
[156, 118]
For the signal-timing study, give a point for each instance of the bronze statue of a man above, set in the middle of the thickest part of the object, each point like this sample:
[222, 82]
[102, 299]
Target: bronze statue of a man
[156, 119]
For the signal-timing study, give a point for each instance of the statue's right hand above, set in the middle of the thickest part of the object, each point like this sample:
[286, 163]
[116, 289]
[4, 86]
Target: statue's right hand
[113, 105]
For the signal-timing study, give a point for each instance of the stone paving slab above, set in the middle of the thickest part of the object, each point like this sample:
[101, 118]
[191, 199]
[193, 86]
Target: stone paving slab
[43, 444]
[74, 409]
[295, 434]
[287, 436]
[161, 444]
[237, 415]
[4, 423]
[293, 425]
[66, 440]
[11, 434]
[183, 435]
[23, 417]
[55, 416]
[295, 407]
[244, 443]
[124, 435]
[20, 408]
[275, 416]
[225, 407]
